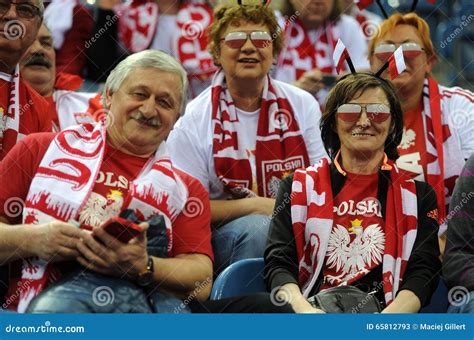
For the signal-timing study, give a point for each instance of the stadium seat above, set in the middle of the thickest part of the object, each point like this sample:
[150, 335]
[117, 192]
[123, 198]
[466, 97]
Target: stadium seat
[246, 277]
[241, 277]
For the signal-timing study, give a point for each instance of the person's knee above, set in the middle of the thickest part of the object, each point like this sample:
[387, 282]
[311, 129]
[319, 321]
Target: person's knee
[264, 303]
[52, 301]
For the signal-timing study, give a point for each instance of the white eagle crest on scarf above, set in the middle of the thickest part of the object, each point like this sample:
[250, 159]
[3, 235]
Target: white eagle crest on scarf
[354, 257]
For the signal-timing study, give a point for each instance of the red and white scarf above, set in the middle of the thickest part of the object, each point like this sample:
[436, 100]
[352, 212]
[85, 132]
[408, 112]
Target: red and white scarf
[10, 120]
[137, 29]
[445, 160]
[280, 147]
[65, 179]
[73, 107]
[312, 218]
[301, 54]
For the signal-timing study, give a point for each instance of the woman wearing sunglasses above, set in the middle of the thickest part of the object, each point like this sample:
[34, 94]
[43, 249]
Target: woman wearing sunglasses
[246, 132]
[438, 134]
[356, 221]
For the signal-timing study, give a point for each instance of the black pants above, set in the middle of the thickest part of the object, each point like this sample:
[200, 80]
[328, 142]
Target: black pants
[253, 303]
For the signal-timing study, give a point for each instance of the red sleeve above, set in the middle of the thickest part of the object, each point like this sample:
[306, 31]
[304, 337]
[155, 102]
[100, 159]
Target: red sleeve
[71, 57]
[192, 228]
[17, 170]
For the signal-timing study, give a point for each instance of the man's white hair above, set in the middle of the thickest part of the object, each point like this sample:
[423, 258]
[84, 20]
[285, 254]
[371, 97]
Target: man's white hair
[147, 59]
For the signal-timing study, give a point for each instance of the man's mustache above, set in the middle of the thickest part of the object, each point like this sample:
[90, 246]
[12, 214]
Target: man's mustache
[153, 121]
[38, 59]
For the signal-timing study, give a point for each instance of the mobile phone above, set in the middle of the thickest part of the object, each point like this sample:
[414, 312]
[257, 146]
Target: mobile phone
[328, 80]
[121, 228]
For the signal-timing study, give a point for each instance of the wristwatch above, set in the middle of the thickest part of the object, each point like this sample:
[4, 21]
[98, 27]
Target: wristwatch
[146, 277]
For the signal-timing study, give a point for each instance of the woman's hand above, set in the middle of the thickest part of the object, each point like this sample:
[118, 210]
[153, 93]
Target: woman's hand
[311, 81]
[106, 255]
[291, 293]
[405, 302]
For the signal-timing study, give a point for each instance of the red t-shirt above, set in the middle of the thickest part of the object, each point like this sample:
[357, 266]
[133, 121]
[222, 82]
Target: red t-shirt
[190, 234]
[412, 149]
[356, 243]
[36, 114]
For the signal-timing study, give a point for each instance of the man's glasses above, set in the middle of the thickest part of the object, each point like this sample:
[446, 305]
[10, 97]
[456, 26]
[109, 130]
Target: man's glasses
[24, 10]
[237, 39]
[350, 112]
[410, 50]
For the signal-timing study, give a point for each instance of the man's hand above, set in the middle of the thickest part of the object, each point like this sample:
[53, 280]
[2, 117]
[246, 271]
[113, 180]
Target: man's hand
[56, 241]
[106, 255]
[311, 81]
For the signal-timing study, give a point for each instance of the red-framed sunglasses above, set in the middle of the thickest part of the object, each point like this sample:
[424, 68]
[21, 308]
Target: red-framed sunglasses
[259, 39]
[351, 112]
[410, 50]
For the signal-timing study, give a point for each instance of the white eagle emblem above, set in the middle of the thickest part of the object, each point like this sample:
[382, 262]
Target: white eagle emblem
[99, 209]
[353, 258]
[408, 139]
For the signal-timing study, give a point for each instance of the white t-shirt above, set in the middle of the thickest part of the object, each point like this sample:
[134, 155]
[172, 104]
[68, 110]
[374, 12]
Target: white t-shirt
[457, 110]
[165, 29]
[190, 142]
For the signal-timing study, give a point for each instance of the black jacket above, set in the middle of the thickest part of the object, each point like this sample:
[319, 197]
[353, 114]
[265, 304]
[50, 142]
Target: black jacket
[422, 272]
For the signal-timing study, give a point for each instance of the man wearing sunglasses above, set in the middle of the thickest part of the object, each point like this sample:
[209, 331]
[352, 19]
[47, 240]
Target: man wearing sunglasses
[438, 131]
[22, 110]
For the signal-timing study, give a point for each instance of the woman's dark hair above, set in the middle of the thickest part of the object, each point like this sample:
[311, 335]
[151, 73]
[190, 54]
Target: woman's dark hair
[352, 86]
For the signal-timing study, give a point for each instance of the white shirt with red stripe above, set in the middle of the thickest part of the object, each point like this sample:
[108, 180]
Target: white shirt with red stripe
[190, 142]
[75, 108]
[457, 107]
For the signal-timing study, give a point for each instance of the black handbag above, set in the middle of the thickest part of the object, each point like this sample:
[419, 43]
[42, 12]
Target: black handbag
[345, 299]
